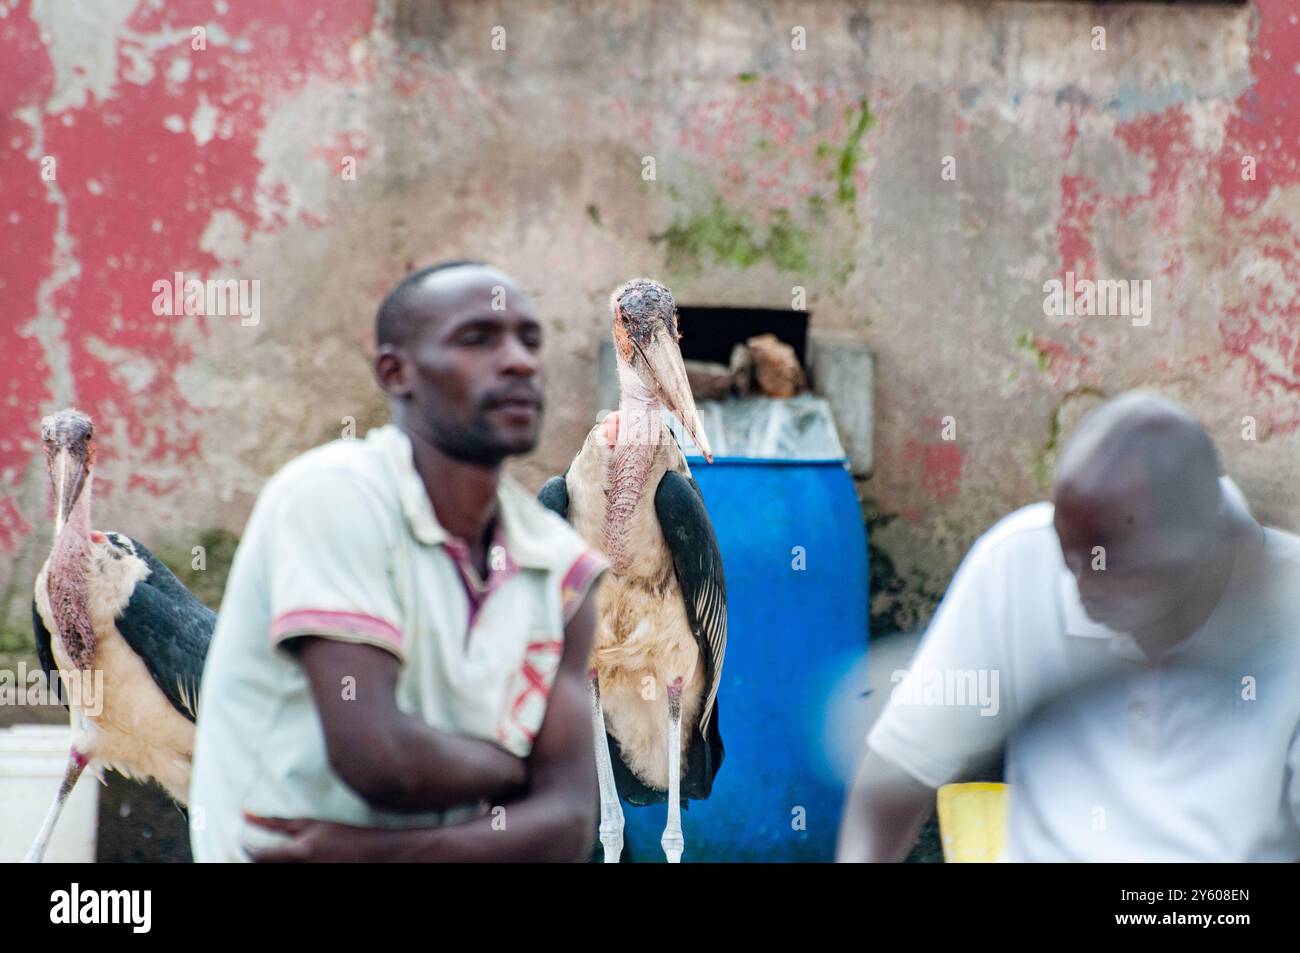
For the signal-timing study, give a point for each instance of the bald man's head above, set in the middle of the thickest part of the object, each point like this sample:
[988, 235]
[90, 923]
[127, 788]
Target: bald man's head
[459, 358]
[1144, 453]
[1138, 508]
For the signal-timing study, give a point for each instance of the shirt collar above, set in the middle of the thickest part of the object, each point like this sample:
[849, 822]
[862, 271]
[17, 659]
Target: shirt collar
[498, 569]
[512, 529]
[1078, 624]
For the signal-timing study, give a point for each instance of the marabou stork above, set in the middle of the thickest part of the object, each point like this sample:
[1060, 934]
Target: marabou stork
[105, 604]
[662, 615]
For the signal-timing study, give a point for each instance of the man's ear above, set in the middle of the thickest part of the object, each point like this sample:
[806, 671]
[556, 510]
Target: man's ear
[392, 373]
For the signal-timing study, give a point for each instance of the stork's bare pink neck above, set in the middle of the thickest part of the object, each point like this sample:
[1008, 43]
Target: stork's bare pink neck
[66, 583]
[639, 432]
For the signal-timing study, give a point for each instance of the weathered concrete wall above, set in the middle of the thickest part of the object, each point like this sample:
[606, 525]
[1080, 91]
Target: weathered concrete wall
[774, 168]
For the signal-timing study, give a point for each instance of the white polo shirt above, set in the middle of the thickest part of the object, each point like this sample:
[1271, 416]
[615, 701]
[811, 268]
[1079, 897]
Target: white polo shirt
[344, 543]
[1191, 756]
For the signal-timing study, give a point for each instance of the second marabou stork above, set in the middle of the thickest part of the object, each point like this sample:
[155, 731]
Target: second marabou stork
[123, 637]
[662, 615]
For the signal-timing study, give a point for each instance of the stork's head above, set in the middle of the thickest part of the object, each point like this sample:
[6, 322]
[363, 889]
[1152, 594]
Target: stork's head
[69, 438]
[646, 336]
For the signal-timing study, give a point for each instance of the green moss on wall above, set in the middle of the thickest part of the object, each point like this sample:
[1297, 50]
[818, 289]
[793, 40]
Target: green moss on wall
[722, 236]
[850, 154]
[709, 233]
[1044, 460]
[1045, 457]
[1028, 343]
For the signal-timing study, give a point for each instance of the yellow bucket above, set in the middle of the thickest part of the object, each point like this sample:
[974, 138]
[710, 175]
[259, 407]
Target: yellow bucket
[972, 822]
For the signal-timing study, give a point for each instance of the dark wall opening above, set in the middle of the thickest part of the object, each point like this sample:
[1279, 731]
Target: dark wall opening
[708, 334]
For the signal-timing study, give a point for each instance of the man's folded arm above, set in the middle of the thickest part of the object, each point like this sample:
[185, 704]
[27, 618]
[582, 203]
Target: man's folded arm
[556, 819]
[394, 761]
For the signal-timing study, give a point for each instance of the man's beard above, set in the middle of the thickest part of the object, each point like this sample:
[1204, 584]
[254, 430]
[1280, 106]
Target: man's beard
[475, 443]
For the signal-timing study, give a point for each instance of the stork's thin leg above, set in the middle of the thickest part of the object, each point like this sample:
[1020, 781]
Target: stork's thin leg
[672, 841]
[611, 810]
[76, 763]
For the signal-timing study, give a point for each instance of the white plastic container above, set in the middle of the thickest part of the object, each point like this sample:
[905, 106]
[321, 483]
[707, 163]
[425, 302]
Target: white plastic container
[33, 759]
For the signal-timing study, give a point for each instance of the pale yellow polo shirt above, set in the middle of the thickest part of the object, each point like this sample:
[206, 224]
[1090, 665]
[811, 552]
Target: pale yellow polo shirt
[343, 543]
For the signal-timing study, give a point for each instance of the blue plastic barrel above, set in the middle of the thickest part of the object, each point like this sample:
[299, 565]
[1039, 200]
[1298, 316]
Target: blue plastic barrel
[795, 636]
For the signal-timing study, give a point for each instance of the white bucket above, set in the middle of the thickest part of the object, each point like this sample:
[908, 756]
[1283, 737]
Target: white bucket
[33, 759]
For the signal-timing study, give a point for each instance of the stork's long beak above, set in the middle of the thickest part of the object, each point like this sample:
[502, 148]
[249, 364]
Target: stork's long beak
[69, 477]
[667, 369]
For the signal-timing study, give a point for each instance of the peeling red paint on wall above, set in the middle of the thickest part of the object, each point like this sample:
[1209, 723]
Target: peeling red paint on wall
[1264, 125]
[1067, 368]
[1166, 139]
[938, 467]
[1265, 120]
[1265, 128]
[1265, 333]
[29, 221]
[1079, 201]
[142, 172]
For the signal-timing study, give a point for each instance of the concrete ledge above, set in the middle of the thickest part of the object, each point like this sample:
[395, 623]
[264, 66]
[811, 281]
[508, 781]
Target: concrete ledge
[843, 372]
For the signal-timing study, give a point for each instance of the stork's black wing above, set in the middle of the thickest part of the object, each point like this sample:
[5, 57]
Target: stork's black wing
[554, 495]
[44, 653]
[170, 629]
[684, 521]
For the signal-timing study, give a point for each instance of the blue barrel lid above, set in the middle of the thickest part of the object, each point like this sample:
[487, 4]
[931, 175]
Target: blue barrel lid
[694, 460]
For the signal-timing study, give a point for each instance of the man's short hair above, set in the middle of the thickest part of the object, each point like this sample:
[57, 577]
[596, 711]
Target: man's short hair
[393, 320]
